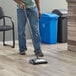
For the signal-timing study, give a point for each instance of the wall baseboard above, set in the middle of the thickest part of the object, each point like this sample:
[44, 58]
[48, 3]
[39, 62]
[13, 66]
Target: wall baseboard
[16, 41]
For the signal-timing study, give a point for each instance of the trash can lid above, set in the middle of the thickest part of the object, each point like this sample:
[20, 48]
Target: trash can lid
[71, 1]
[50, 15]
[60, 12]
[63, 11]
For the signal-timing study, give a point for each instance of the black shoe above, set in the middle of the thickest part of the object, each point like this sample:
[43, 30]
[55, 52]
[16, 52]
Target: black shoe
[22, 53]
[40, 54]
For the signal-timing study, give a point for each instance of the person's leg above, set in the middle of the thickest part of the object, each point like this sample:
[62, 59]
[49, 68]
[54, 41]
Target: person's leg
[21, 30]
[32, 14]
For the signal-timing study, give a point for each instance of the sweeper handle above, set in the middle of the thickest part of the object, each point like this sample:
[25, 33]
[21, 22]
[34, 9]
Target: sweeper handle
[29, 26]
[37, 60]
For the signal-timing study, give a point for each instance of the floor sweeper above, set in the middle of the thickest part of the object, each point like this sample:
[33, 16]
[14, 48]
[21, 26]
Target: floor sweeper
[36, 60]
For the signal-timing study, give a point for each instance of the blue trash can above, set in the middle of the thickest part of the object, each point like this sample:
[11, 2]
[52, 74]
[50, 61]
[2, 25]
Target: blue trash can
[48, 24]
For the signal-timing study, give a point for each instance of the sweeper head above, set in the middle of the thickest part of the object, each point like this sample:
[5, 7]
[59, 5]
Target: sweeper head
[38, 61]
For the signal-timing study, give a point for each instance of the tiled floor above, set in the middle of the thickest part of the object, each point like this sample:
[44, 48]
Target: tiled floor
[61, 62]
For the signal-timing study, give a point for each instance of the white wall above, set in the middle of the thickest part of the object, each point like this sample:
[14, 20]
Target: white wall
[9, 7]
[49, 5]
